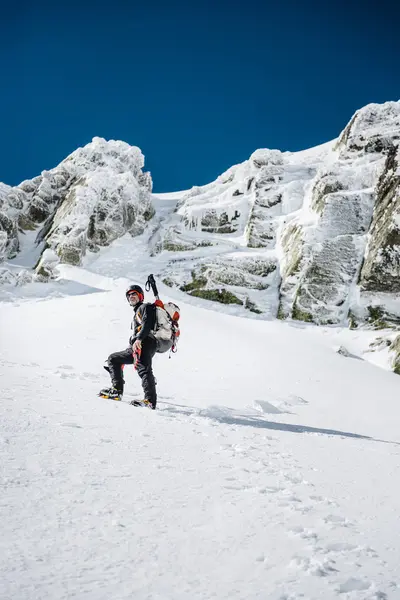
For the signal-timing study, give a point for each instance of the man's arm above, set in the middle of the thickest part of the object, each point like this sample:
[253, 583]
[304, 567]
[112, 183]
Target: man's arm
[148, 316]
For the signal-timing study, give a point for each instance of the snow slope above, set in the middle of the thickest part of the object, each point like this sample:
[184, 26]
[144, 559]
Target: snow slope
[269, 470]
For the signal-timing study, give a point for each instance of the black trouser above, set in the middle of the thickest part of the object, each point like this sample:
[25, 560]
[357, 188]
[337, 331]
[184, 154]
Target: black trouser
[143, 367]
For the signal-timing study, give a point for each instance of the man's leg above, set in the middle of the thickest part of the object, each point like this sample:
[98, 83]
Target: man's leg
[145, 370]
[115, 362]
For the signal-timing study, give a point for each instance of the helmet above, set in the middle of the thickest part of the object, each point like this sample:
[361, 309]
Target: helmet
[137, 289]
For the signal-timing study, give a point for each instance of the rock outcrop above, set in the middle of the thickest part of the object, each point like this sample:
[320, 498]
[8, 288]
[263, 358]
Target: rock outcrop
[94, 196]
[381, 268]
[345, 240]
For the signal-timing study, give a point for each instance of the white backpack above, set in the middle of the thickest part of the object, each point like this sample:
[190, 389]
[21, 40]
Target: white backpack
[166, 331]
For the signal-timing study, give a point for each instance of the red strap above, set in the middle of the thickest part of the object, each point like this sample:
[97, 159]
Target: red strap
[136, 356]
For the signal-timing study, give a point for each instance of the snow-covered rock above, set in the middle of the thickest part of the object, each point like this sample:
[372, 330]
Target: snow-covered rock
[94, 196]
[395, 354]
[331, 240]
[235, 219]
[381, 268]
[14, 278]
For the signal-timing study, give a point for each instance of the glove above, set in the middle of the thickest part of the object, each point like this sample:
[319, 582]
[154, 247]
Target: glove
[137, 346]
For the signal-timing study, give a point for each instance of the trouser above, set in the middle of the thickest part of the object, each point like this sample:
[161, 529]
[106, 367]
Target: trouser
[143, 367]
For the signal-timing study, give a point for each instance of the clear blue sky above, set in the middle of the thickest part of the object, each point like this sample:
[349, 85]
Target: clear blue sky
[197, 86]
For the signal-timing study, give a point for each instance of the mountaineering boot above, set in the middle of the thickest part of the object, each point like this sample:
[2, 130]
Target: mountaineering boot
[107, 368]
[111, 393]
[143, 403]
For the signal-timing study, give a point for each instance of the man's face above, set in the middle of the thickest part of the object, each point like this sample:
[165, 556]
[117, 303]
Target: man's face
[133, 298]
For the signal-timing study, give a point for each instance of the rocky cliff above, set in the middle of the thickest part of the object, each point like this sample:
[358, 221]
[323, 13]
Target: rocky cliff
[94, 196]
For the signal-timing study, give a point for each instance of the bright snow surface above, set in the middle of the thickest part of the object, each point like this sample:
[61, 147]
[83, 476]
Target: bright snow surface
[269, 471]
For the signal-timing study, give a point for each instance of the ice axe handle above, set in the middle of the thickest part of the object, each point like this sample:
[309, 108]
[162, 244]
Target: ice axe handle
[150, 283]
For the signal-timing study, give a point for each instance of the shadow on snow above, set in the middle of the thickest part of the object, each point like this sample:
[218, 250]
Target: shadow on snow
[231, 417]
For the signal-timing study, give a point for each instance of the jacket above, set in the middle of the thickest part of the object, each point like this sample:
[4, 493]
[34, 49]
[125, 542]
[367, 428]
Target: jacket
[143, 322]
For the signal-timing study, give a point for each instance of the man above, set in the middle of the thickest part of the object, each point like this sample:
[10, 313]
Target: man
[142, 347]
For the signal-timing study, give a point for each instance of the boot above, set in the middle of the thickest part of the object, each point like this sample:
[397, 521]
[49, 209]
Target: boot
[107, 368]
[144, 402]
[111, 393]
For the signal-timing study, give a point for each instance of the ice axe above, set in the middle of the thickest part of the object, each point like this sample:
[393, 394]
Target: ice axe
[151, 285]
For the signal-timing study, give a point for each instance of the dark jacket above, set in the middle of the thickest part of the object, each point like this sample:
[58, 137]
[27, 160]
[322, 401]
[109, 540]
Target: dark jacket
[143, 322]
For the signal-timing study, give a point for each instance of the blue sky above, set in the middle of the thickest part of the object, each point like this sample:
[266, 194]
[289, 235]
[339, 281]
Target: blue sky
[198, 87]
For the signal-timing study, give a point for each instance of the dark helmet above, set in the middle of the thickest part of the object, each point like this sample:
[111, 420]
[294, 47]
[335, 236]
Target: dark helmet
[135, 288]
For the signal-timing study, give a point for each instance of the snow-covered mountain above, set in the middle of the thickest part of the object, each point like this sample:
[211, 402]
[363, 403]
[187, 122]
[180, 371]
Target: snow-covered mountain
[311, 235]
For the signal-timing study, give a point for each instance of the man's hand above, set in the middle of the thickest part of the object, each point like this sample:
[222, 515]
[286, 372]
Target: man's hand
[137, 346]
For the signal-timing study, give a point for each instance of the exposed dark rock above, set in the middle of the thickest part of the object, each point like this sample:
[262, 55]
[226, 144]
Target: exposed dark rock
[395, 351]
[218, 295]
[381, 268]
[328, 184]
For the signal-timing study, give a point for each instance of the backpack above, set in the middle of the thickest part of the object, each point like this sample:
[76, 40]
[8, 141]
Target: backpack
[166, 330]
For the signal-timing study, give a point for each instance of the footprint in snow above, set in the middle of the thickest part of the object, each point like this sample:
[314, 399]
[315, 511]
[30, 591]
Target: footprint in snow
[271, 490]
[65, 371]
[313, 566]
[261, 558]
[339, 547]
[353, 585]
[68, 372]
[337, 520]
[324, 500]
[238, 487]
[304, 533]
[297, 480]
